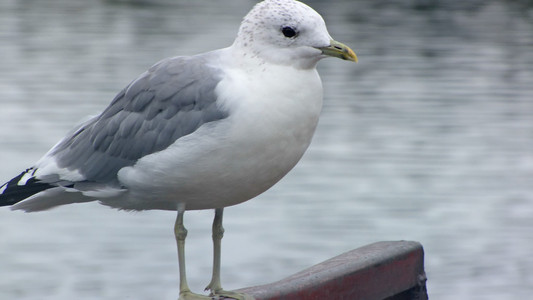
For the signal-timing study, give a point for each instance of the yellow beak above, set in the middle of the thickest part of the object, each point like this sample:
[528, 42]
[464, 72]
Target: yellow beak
[339, 50]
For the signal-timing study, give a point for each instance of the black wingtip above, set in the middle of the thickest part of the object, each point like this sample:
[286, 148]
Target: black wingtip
[20, 188]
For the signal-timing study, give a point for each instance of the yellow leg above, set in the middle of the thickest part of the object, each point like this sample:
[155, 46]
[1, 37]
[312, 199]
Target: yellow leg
[215, 286]
[181, 233]
[218, 233]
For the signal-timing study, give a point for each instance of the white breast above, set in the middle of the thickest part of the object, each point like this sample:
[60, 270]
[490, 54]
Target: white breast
[273, 115]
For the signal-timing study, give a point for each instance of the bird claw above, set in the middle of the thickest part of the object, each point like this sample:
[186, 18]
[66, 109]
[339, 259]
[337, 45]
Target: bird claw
[219, 294]
[222, 295]
[188, 295]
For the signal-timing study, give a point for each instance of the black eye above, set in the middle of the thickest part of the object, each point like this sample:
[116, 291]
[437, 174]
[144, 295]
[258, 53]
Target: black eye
[288, 31]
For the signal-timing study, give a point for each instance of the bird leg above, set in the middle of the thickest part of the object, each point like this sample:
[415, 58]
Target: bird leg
[218, 234]
[181, 233]
[215, 286]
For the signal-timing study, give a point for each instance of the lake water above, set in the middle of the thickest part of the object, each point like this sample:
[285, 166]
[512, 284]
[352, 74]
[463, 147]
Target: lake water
[428, 138]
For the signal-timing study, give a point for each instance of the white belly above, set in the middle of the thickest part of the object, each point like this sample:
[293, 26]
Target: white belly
[233, 160]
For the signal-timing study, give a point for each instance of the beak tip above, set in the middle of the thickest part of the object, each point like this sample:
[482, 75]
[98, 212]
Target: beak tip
[352, 57]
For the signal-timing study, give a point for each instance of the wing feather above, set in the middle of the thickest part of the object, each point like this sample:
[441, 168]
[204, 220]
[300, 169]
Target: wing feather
[172, 99]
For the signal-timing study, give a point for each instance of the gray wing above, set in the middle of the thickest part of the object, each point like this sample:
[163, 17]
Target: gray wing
[170, 100]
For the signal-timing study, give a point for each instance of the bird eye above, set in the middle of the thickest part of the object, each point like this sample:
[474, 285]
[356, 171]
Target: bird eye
[288, 31]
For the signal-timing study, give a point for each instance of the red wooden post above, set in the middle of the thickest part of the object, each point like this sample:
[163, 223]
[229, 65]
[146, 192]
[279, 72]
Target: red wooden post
[383, 270]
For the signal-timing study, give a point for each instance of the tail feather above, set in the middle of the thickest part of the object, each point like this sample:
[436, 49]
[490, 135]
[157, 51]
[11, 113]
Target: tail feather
[21, 187]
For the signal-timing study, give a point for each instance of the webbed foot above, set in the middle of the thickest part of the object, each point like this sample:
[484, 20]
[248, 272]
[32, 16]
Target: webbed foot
[188, 295]
[222, 294]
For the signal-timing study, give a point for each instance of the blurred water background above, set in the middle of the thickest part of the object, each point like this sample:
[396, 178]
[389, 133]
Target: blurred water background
[428, 138]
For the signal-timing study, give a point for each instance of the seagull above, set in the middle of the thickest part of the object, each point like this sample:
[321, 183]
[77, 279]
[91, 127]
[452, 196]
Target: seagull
[196, 132]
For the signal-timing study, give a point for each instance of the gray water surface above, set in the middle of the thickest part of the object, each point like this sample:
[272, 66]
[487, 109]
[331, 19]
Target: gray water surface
[428, 138]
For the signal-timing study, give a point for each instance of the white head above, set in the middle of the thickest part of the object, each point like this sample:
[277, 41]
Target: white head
[288, 32]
